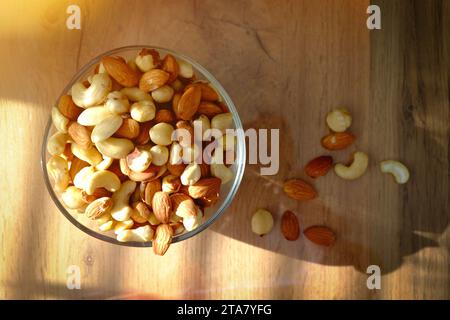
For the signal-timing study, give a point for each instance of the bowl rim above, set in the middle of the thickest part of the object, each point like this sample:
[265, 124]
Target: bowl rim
[239, 161]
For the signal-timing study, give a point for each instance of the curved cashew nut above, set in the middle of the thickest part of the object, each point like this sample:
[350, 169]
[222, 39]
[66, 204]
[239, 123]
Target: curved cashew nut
[58, 169]
[93, 116]
[59, 120]
[98, 90]
[121, 209]
[356, 169]
[115, 148]
[105, 164]
[135, 94]
[397, 169]
[102, 179]
[106, 128]
[57, 143]
[141, 234]
[117, 102]
[90, 155]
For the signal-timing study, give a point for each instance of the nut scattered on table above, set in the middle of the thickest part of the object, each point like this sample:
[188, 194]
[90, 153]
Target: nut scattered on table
[398, 170]
[356, 169]
[115, 158]
[262, 222]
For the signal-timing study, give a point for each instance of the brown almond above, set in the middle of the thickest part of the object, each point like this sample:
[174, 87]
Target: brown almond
[176, 169]
[188, 104]
[120, 71]
[209, 109]
[170, 65]
[206, 187]
[164, 115]
[299, 190]
[338, 140]
[151, 187]
[319, 166]
[162, 206]
[68, 108]
[153, 79]
[183, 205]
[98, 207]
[129, 129]
[208, 93]
[320, 235]
[80, 134]
[290, 227]
[205, 170]
[115, 168]
[163, 239]
[144, 133]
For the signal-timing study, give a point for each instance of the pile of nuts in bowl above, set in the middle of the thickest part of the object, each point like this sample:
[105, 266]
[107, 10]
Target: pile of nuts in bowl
[127, 151]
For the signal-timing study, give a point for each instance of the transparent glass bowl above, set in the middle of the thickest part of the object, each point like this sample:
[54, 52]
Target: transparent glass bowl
[227, 192]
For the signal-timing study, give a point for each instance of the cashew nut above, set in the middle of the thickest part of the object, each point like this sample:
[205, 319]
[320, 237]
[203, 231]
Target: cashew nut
[135, 94]
[121, 209]
[98, 90]
[117, 102]
[123, 225]
[115, 148]
[57, 143]
[105, 164]
[59, 120]
[222, 121]
[58, 169]
[221, 171]
[93, 116]
[356, 169]
[397, 169]
[82, 176]
[106, 128]
[143, 111]
[72, 198]
[90, 155]
[141, 234]
[191, 174]
[102, 179]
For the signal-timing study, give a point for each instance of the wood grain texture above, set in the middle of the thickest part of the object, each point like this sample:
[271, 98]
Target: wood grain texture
[285, 64]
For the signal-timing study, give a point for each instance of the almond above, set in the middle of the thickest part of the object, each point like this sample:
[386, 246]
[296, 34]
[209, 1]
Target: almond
[120, 71]
[163, 239]
[153, 79]
[75, 166]
[151, 188]
[208, 93]
[207, 187]
[299, 190]
[338, 140]
[176, 169]
[175, 99]
[319, 166]
[290, 227]
[144, 133]
[80, 134]
[170, 65]
[98, 207]
[183, 205]
[321, 235]
[205, 169]
[164, 115]
[188, 104]
[162, 206]
[129, 129]
[115, 168]
[68, 108]
[209, 109]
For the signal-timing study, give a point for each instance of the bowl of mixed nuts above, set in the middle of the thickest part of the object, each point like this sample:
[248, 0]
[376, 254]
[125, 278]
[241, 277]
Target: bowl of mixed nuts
[143, 148]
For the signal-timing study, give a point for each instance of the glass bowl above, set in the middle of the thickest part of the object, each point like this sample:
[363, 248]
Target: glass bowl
[228, 190]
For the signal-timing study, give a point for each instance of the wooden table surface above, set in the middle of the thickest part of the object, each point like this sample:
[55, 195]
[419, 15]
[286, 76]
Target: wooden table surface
[285, 64]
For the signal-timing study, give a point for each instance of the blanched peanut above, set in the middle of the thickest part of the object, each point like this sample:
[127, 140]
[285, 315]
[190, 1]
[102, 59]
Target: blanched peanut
[186, 70]
[57, 143]
[143, 111]
[176, 152]
[191, 153]
[115, 148]
[90, 155]
[58, 169]
[141, 234]
[139, 160]
[161, 134]
[72, 198]
[202, 122]
[121, 210]
[135, 94]
[262, 222]
[191, 174]
[160, 155]
[339, 120]
[102, 179]
[93, 116]
[106, 128]
[191, 223]
[163, 94]
[222, 122]
[59, 121]
[117, 103]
